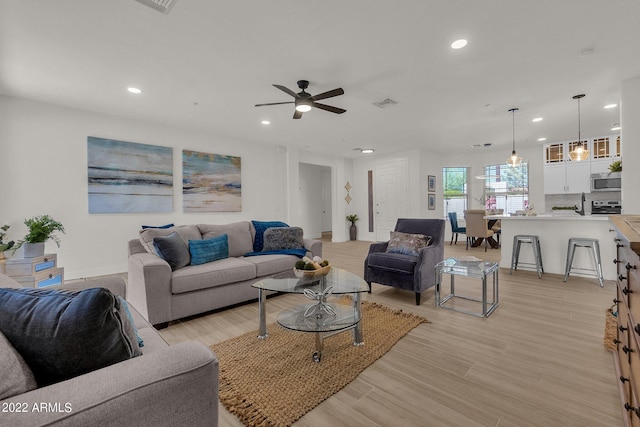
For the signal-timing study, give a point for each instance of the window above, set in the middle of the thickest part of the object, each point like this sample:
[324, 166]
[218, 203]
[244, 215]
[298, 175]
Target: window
[456, 199]
[506, 187]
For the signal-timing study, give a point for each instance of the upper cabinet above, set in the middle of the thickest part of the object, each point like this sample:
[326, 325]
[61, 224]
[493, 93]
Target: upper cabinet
[562, 175]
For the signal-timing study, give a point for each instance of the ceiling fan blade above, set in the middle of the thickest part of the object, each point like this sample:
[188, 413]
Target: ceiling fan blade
[329, 94]
[275, 103]
[329, 108]
[297, 114]
[286, 90]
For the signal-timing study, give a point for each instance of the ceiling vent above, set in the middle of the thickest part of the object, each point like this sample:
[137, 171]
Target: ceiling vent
[385, 103]
[163, 6]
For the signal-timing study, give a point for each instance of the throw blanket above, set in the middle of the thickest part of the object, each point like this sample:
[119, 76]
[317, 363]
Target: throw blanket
[297, 252]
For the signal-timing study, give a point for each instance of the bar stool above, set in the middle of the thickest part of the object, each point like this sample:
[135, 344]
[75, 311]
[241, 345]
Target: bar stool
[584, 242]
[518, 240]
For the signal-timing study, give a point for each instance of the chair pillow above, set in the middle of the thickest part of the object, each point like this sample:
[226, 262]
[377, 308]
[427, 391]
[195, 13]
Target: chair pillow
[172, 249]
[280, 238]
[63, 334]
[407, 244]
[204, 251]
[261, 227]
[16, 376]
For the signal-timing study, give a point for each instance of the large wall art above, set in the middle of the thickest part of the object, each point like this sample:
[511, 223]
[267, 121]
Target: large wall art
[129, 177]
[211, 182]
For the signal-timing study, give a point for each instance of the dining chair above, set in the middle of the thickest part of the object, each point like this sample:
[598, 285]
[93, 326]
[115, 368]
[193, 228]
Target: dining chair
[477, 226]
[455, 228]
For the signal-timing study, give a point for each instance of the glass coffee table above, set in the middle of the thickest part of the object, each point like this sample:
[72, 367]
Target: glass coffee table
[319, 315]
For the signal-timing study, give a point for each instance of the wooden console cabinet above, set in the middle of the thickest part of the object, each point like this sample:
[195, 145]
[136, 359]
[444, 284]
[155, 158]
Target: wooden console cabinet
[627, 354]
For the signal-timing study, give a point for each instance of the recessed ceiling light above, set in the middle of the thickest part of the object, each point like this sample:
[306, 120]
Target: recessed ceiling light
[476, 145]
[542, 139]
[609, 106]
[537, 119]
[366, 150]
[265, 122]
[134, 90]
[616, 126]
[459, 44]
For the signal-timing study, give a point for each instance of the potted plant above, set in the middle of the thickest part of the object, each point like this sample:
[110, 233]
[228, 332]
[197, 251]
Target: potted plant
[353, 231]
[41, 228]
[4, 246]
[616, 166]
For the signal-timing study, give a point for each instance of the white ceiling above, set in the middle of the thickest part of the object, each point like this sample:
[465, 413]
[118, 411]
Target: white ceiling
[206, 63]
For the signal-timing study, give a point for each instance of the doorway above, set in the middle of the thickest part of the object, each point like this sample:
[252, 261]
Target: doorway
[316, 208]
[391, 195]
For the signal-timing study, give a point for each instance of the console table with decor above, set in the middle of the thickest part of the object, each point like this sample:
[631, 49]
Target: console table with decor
[627, 305]
[38, 272]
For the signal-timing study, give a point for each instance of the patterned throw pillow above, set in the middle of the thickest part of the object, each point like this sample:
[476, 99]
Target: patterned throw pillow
[209, 250]
[281, 238]
[261, 227]
[407, 244]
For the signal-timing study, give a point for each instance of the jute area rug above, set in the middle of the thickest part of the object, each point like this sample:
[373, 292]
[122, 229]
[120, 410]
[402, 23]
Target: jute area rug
[274, 382]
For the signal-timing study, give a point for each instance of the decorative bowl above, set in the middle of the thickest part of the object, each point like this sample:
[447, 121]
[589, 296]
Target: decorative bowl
[312, 273]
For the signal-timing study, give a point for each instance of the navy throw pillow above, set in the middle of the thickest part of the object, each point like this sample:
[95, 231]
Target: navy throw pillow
[63, 334]
[144, 227]
[208, 250]
[172, 249]
[261, 227]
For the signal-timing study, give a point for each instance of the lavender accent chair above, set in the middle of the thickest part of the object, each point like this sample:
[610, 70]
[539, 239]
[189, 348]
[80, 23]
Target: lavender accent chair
[411, 273]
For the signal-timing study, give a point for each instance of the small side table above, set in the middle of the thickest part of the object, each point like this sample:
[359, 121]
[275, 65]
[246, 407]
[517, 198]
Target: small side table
[474, 268]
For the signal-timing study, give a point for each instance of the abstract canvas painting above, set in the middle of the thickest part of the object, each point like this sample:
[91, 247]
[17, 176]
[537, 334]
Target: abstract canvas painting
[211, 182]
[129, 177]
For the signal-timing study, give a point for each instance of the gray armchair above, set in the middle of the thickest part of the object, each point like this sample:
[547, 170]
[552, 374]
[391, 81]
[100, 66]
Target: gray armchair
[408, 272]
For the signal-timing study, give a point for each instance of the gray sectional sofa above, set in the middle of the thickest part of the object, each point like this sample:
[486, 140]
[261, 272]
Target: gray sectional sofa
[163, 294]
[166, 385]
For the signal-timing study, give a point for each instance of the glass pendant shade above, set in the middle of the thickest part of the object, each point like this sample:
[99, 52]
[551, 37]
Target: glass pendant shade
[514, 160]
[581, 152]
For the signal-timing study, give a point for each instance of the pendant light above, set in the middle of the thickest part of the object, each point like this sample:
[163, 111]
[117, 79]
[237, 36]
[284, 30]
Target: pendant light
[514, 160]
[581, 152]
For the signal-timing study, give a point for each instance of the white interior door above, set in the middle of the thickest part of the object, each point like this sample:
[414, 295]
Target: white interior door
[391, 193]
[326, 200]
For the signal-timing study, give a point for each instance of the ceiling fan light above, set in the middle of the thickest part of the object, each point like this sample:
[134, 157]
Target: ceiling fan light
[303, 108]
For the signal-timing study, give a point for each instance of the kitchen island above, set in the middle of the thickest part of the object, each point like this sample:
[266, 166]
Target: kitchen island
[554, 232]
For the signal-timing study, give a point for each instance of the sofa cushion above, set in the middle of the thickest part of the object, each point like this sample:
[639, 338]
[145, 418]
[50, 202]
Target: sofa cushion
[397, 263]
[63, 334]
[280, 238]
[216, 273]
[16, 376]
[187, 232]
[239, 235]
[407, 243]
[260, 227]
[204, 251]
[267, 265]
[172, 249]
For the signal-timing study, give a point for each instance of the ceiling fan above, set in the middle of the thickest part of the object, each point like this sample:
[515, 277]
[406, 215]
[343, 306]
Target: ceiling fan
[304, 101]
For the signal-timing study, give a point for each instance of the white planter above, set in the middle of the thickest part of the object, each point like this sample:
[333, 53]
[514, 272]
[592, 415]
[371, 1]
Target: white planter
[33, 250]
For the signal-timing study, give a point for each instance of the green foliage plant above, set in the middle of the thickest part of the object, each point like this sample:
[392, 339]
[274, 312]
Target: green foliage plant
[41, 228]
[352, 219]
[5, 246]
[616, 166]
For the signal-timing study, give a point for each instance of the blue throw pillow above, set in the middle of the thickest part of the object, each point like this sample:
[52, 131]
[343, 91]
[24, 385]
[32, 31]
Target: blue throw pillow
[261, 227]
[63, 334]
[204, 251]
[172, 249]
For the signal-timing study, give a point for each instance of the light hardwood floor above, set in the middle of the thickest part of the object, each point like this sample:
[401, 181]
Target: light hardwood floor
[538, 360]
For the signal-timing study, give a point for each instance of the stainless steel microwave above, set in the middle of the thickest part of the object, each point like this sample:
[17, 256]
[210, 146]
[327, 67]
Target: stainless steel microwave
[606, 181]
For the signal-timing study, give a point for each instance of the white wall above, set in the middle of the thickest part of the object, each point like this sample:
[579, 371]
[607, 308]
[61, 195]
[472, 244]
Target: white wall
[630, 136]
[43, 158]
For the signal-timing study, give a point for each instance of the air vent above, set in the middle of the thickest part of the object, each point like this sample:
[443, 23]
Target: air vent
[385, 103]
[163, 6]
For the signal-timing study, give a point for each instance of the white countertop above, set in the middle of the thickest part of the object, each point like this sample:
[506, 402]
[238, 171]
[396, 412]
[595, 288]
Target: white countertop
[546, 217]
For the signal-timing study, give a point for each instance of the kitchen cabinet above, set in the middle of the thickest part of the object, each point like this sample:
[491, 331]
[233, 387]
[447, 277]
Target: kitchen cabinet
[564, 176]
[567, 177]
